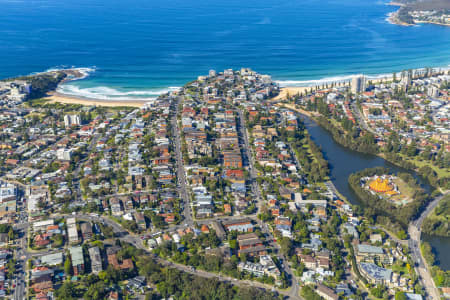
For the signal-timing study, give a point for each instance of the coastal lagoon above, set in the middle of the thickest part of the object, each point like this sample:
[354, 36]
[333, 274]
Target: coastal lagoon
[137, 49]
[343, 162]
[140, 48]
[441, 245]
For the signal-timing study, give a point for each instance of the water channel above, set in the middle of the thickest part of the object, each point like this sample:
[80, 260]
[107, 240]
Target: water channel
[343, 162]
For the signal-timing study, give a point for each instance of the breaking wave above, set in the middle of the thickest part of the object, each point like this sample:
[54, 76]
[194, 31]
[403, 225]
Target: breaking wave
[345, 78]
[85, 71]
[108, 93]
[314, 82]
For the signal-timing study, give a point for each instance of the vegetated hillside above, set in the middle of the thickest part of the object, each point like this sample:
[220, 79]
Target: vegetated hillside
[438, 223]
[403, 14]
[429, 5]
[425, 4]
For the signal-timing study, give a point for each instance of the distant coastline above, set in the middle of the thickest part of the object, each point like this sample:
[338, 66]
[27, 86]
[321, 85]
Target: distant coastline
[403, 17]
[287, 88]
[393, 17]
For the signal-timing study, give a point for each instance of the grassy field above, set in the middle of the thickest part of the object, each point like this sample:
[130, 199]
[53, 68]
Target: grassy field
[401, 267]
[441, 172]
[406, 191]
[39, 101]
[308, 150]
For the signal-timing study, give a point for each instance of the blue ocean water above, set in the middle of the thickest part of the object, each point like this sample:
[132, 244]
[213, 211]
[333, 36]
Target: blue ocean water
[142, 47]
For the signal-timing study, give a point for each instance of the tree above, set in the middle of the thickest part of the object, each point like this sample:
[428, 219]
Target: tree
[308, 293]
[402, 235]
[286, 246]
[96, 291]
[4, 228]
[66, 291]
[41, 204]
[11, 234]
[233, 244]
[11, 268]
[378, 291]
[400, 296]
[68, 266]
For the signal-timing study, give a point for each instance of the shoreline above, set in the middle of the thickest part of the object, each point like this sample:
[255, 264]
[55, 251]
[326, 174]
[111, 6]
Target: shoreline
[291, 88]
[56, 97]
[392, 17]
[80, 74]
[394, 20]
[296, 90]
[431, 22]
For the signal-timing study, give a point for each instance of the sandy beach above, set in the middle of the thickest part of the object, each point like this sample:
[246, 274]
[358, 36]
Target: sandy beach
[57, 97]
[291, 91]
[294, 90]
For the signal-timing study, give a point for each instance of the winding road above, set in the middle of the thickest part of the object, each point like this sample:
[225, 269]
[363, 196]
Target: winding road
[135, 240]
[422, 267]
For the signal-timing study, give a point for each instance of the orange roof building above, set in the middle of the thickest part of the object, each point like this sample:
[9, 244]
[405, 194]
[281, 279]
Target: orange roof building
[205, 229]
[381, 186]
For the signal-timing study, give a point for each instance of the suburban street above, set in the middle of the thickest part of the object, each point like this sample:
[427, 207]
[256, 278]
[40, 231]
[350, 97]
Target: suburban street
[181, 174]
[360, 119]
[294, 290]
[248, 157]
[21, 254]
[24, 254]
[136, 240]
[143, 192]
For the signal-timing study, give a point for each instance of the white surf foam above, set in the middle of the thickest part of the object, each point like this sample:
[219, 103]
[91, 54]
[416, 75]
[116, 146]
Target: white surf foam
[108, 93]
[85, 71]
[345, 78]
[315, 82]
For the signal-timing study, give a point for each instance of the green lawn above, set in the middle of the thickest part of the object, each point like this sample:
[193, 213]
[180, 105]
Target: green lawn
[310, 154]
[400, 268]
[406, 191]
[441, 172]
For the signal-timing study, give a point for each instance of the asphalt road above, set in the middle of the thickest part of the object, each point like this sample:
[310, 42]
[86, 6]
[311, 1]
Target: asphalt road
[249, 158]
[294, 290]
[422, 268]
[360, 118]
[21, 256]
[293, 293]
[181, 174]
[137, 242]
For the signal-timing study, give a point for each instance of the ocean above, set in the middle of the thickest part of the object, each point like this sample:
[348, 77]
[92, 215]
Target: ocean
[137, 49]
